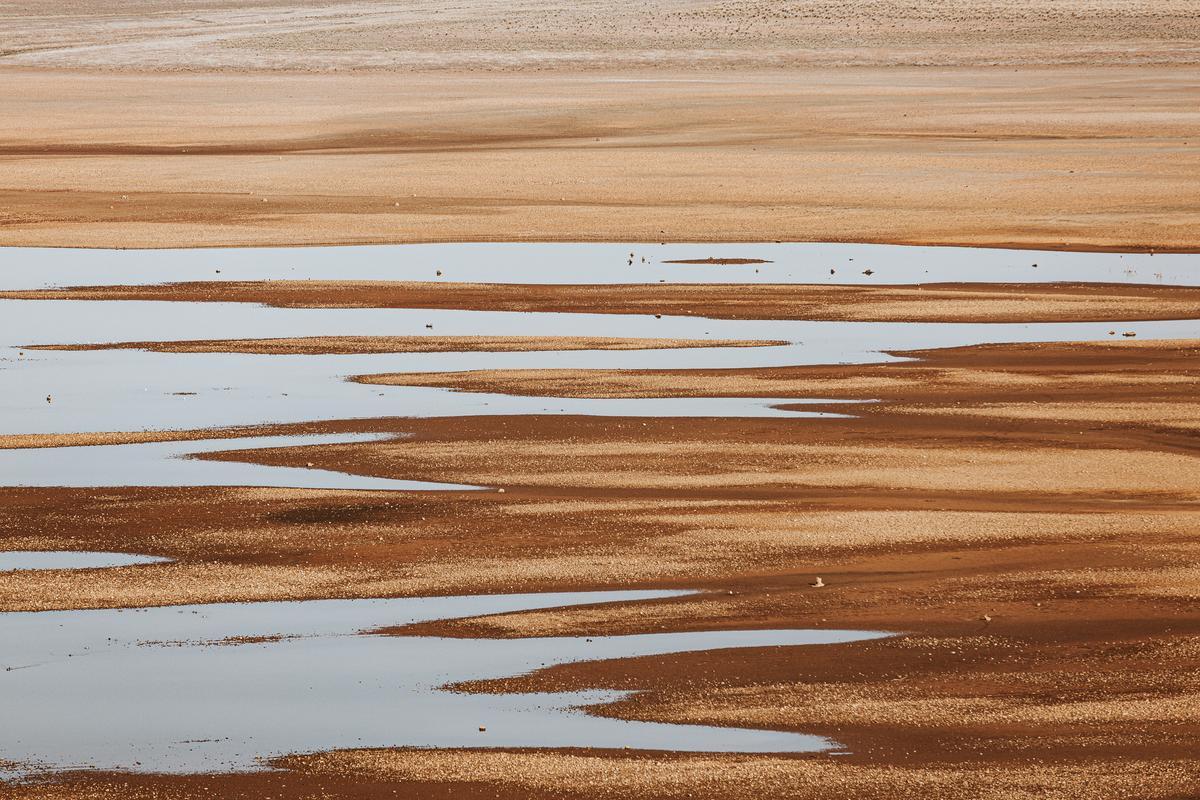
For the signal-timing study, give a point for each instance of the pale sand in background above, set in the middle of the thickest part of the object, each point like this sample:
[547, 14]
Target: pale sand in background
[1034, 123]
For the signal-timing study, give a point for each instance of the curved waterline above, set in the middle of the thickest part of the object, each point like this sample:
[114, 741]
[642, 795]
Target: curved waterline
[22, 560]
[588, 262]
[164, 464]
[70, 392]
[218, 688]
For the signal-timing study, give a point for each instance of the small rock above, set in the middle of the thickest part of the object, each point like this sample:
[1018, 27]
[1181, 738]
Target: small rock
[818, 583]
[1129, 333]
[499, 491]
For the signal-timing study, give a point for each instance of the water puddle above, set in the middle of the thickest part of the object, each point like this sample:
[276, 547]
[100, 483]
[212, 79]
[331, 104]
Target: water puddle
[62, 392]
[49, 391]
[173, 464]
[222, 687]
[13, 560]
[149, 690]
[515, 262]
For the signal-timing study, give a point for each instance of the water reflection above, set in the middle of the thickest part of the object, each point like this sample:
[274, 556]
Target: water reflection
[219, 687]
[14, 560]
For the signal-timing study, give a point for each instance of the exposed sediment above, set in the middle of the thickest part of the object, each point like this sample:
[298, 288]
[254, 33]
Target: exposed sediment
[331, 345]
[963, 302]
[1004, 545]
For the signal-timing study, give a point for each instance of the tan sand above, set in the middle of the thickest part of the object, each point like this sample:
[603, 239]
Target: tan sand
[1025, 515]
[318, 345]
[945, 302]
[1041, 564]
[537, 35]
[1032, 156]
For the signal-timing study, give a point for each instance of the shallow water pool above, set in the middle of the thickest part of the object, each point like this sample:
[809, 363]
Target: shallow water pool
[222, 687]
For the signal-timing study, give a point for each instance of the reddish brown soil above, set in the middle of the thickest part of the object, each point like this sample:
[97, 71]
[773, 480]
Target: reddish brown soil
[1024, 516]
[1065, 302]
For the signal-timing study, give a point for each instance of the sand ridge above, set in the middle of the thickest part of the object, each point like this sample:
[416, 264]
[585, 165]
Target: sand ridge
[945, 302]
[326, 345]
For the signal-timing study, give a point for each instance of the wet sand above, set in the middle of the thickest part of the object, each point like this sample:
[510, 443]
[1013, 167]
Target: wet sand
[476, 774]
[1023, 513]
[935, 302]
[341, 345]
[1085, 381]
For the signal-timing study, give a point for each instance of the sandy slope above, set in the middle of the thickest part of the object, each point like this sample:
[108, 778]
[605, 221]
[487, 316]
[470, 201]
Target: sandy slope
[541, 34]
[1032, 122]
[931, 302]
[1039, 156]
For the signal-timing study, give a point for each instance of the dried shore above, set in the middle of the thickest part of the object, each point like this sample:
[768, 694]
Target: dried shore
[1024, 517]
[1022, 514]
